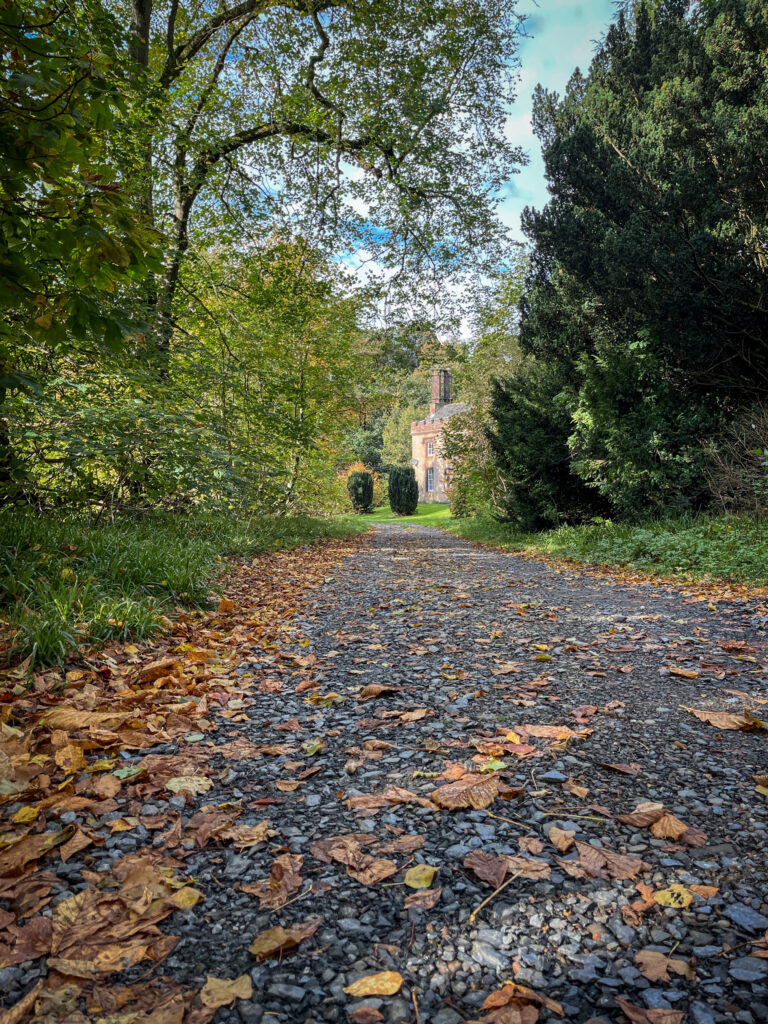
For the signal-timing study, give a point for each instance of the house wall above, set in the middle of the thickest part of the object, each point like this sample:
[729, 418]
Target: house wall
[422, 433]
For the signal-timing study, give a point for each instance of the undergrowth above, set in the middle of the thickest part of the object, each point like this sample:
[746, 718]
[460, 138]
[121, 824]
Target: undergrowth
[700, 548]
[69, 582]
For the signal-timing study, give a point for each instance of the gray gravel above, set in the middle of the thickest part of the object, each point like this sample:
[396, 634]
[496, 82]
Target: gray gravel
[436, 617]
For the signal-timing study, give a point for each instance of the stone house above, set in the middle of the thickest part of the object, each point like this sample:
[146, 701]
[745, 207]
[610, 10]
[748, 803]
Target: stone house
[433, 472]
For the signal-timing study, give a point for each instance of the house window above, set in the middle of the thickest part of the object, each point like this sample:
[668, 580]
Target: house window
[430, 479]
[430, 447]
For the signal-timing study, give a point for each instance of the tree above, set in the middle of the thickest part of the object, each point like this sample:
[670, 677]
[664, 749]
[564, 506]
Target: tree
[360, 488]
[280, 111]
[403, 490]
[71, 244]
[646, 296]
[396, 434]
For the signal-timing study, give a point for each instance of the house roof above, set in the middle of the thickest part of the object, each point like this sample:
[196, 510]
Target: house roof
[451, 409]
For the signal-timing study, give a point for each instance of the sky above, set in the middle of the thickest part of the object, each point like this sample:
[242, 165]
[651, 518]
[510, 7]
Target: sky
[563, 37]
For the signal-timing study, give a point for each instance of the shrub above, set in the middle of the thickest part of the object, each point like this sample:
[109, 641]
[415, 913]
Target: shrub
[378, 480]
[360, 490]
[403, 490]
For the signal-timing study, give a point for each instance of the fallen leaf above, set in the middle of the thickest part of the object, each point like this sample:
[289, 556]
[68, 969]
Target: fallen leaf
[684, 673]
[477, 791]
[602, 862]
[387, 983]
[513, 994]
[626, 769]
[639, 1015]
[224, 991]
[489, 867]
[283, 940]
[727, 720]
[365, 1015]
[421, 876]
[284, 880]
[426, 899]
[561, 838]
[656, 966]
[675, 896]
[194, 784]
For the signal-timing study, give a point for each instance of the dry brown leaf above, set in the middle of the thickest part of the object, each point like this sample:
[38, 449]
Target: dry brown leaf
[474, 790]
[386, 983]
[633, 768]
[669, 827]
[425, 900]
[575, 788]
[602, 862]
[511, 993]
[245, 836]
[365, 1015]
[656, 966]
[281, 940]
[527, 867]
[563, 839]
[639, 1015]
[376, 690]
[684, 673]
[530, 844]
[489, 867]
[403, 844]
[284, 880]
[224, 991]
[727, 720]
[107, 785]
[705, 891]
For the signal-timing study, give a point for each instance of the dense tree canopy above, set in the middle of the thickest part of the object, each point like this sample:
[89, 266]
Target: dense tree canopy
[648, 284]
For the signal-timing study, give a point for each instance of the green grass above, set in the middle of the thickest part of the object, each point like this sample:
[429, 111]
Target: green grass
[67, 582]
[700, 548]
[696, 548]
[426, 515]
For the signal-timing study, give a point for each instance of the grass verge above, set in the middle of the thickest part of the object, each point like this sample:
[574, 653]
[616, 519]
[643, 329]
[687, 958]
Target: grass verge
[68, 582]
[701, 548]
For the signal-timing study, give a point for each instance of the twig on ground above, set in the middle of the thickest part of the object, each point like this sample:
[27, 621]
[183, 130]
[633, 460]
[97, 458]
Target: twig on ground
[487, 900]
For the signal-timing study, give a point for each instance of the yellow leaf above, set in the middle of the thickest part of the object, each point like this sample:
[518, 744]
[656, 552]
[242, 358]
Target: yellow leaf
[190, 783]
[25, 814]
[684, 673]
[186, 898]
[226, 606]
[224, 991]
[421, 876]
[384, 984]
[675, 896]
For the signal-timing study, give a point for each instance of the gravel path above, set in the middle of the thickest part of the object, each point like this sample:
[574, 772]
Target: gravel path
[482, 647]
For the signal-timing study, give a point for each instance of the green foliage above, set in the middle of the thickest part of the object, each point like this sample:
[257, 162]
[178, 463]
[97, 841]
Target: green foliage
[403, 490]
[360, 489]
[70, 240]
[532, 422]
[396, 434]
[645, 300]
[476, 483]
[67, 582]
[733, 548]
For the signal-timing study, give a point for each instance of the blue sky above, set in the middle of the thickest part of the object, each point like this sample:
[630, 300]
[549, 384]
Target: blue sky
[564, 33]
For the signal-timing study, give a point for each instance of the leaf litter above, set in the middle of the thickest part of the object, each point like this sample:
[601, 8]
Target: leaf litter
[178, 751]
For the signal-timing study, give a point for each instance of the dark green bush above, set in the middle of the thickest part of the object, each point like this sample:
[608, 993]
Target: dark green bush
[403, 490]
[360, 489]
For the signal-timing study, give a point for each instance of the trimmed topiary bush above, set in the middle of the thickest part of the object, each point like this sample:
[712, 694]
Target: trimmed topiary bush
[360, 489]
[403, 490]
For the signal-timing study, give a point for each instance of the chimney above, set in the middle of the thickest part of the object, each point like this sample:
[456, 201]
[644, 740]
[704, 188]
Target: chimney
[441, 390]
